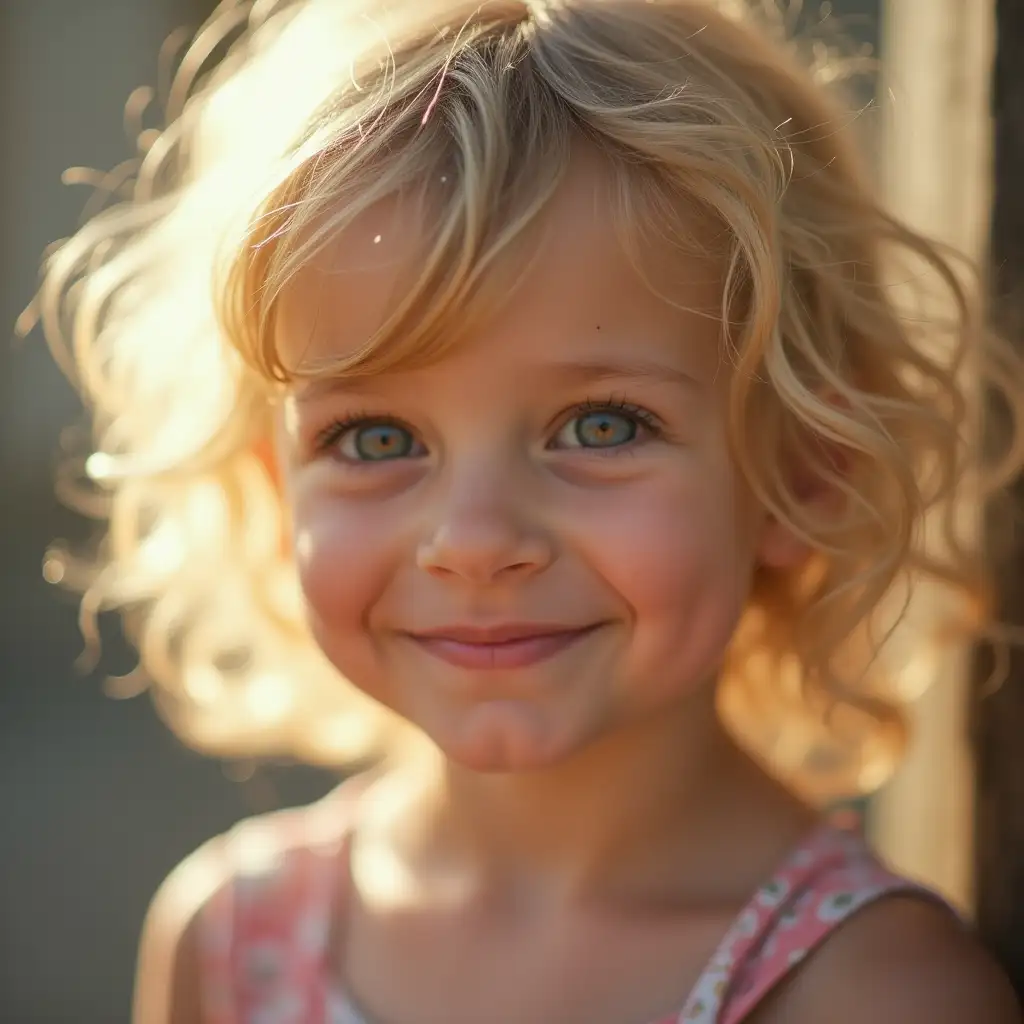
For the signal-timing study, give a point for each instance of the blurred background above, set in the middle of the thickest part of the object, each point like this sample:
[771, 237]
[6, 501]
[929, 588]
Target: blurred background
[97, 800]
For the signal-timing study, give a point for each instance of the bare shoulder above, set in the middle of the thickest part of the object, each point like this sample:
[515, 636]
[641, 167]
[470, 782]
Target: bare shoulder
[903, 959]
[168, 981]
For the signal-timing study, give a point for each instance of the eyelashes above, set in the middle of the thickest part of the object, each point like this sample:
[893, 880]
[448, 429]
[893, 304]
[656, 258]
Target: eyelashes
[339, 429]
[605, 427]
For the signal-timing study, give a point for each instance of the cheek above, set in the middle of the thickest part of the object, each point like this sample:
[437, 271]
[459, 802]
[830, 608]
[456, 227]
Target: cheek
[341, 556]
[681, 556]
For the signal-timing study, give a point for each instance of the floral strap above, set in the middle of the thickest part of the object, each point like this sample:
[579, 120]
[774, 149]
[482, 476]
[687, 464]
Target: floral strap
[823, 884]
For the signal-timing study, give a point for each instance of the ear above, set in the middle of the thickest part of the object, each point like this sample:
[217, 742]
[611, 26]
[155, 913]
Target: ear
[265, 450]
[779, 547]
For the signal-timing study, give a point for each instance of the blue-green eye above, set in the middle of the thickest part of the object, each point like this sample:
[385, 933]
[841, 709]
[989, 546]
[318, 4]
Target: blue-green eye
[376, 442]
[599, 428]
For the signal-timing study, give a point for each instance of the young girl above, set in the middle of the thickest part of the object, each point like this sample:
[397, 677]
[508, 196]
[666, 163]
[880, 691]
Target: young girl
[530, 397]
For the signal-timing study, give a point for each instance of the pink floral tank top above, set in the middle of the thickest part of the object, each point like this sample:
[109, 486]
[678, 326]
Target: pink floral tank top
[264, 938]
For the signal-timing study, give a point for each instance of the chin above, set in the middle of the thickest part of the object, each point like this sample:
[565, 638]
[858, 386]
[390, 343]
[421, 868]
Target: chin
[495, 740]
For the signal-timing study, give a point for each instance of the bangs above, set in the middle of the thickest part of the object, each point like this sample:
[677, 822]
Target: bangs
[471, 141]
[471, 158]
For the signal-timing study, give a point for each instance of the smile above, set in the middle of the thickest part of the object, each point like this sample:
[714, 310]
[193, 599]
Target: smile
[504, 647]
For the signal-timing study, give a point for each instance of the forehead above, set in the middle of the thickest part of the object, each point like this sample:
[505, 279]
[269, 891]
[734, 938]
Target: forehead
[569, 278]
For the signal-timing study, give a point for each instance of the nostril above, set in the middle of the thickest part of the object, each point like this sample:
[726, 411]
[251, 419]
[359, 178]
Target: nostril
[483, 555]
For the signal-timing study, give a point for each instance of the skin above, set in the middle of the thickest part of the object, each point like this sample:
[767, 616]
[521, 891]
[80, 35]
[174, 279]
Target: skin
[585, 830]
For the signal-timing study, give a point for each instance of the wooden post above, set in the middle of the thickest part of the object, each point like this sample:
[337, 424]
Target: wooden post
[998, 717]
[935, 171]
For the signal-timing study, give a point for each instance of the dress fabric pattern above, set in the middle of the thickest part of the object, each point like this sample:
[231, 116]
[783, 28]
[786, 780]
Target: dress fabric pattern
[265, 937]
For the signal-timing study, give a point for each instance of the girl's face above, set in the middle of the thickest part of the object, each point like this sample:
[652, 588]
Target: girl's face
[541, 538]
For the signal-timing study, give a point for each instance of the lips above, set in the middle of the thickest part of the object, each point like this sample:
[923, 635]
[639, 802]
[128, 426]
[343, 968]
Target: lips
[505, 646]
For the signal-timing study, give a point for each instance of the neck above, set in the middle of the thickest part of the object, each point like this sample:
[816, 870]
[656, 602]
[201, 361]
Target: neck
[668, 799]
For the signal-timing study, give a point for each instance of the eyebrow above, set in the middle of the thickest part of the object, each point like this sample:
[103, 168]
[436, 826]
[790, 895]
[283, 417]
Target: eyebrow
[321, 387]
[568, 373]
[591, 371]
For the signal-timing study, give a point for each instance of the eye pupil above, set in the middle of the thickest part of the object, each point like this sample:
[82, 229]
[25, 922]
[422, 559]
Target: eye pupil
[604, 429]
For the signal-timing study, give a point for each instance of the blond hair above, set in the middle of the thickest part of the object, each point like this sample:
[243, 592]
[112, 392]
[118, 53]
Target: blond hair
[855, 343]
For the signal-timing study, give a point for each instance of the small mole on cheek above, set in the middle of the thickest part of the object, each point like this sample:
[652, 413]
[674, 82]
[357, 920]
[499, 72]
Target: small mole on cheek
[599, 327]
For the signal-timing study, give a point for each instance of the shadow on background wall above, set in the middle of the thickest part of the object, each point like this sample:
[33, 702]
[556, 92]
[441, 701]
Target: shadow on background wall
[97, 800]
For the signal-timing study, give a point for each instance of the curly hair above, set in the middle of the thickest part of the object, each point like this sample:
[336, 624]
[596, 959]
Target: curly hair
[858, 347]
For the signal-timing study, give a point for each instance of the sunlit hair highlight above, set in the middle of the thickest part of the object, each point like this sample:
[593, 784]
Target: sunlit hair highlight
[855, 347]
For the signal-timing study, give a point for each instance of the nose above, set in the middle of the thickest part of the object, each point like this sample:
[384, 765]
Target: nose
[484, 532]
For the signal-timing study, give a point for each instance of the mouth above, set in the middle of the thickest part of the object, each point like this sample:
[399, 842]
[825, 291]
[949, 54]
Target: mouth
[500, 647]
